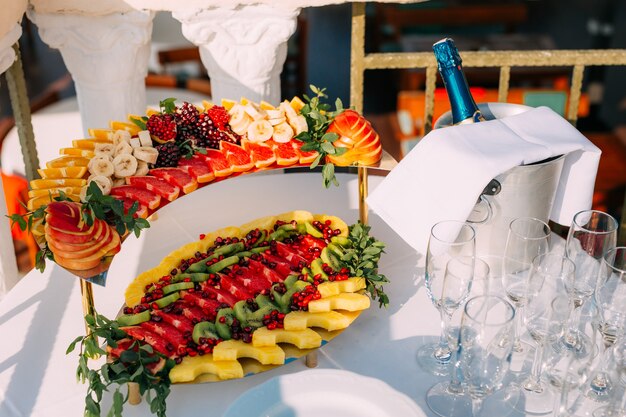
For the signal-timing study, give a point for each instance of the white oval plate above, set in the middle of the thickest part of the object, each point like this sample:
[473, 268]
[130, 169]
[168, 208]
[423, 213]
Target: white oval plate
[323, 392]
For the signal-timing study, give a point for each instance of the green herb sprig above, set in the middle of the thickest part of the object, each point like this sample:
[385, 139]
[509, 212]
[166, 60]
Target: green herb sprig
[362, 259]
[132, 366]
[319, 116]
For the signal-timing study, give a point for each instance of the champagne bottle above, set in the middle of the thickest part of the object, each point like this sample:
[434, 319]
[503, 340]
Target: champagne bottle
[464, 108]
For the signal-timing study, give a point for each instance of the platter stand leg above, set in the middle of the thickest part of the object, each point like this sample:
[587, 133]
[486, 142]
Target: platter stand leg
[134, 397]
[86, 290]
[363, 189]
[310, 359]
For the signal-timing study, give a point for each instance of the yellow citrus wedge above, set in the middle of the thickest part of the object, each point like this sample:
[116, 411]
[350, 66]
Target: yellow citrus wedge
[297, 104]
[68, 161]
[61, 173]
[266, 106]
[35, 203]
[44, 184]
[53, 191]
[151, 111]
[130, 127]
[244, 101]
[77, 152]
[88, 144]
[228, 104]
[207, 105]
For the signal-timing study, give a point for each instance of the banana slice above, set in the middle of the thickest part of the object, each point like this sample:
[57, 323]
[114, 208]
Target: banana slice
[121, 136]
[290, 113]
[275, 114]
[239, 119]
[135, 142]
[118, 182]
[125, 165]
[254, 111]
[144, 138]
[101, 165]
[146, 154]
[283, 133]
[260, 131]
[142, 169]
[123, 148]
[107, 149]
[278, 121]
[104, 183]
[298, 124]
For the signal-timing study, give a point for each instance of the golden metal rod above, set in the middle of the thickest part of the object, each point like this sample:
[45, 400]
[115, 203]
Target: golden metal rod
[503, 85]
[363, 188]
[86, 290]
[574, 94]
[310, 360]
[134, 397]
[429, 101]
[357, 55]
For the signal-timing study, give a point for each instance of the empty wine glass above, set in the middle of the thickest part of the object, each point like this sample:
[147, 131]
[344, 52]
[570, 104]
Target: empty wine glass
[485, 345]
[591, 235]
[446, 288]
[545, 316]
[449, 398]
[610, 299]
[527, 238]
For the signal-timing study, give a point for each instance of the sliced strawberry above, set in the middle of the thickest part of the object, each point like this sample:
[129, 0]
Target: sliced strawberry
[157, 342]
[156, 185]
[235, 288]
[182, 323]
[145, 197]
[174, 337]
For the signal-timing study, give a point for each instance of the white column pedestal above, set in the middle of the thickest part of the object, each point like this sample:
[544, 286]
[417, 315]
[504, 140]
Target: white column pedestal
[107, 57]
[243, 48]
[8, 263]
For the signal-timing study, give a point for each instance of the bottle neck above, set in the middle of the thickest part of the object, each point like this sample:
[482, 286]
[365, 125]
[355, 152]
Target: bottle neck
[464, 108]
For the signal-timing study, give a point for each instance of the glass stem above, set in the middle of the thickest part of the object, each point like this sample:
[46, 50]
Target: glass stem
[517, 342]
[535, 374]
[477, 405]
[442, 353]
[455, 385]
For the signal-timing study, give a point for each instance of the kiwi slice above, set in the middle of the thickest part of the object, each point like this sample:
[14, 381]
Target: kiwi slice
[336, 249]
[199, 266]
[204, 329]
[194, 277]
[179, 286]
[223, 329]
[249, 318]
[225, 250]
[316, 268]
[261, 238]
[328, 257]
[290, 280]
[308, 274]
[167, 300]
[342, 241]
[283, 300]
[133, 319]
[312, 230]
[259, 249]
[224, 263]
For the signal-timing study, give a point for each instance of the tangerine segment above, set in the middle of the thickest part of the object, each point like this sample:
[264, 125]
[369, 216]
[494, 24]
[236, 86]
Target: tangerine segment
[35, 203]
[297, 104]
[68, 161]
[53, 190]
[228, 104]
[55, 183]
[77, 152]
[129, 127]
[88, 144]
[101, 134]
[61, 173]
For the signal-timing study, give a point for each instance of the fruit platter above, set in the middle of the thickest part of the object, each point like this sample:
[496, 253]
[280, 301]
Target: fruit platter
[120, 176]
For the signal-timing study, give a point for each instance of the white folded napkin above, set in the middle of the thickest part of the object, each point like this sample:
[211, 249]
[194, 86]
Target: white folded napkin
[442, 177]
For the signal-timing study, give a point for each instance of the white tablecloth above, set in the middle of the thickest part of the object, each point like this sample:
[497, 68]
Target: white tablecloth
[56, 125]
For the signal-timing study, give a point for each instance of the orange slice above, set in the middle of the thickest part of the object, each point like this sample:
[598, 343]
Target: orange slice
[55, 183]
[150, 112]
[46, 191]
[244, 101]
[132, 128]
[228, 104]
[297, 104]
[77, 152]
[61, 173]
[266, 106]
[207, 105]
[68, 161]
[101, 134]
[88, 144]
[35, 203]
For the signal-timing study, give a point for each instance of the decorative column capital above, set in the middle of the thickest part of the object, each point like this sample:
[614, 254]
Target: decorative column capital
[243, 47]
[107, 56]
[7, 54]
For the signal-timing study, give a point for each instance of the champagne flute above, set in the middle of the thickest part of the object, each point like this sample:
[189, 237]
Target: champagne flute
[615, 408]
[610, 299]
[545, 316]
[528, 237]
[591, 235]
[448, 240]
[449, 398]
[485, 345]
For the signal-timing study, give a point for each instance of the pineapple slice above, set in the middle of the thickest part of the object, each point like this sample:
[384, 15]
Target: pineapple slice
[330, 320]
[346, 301]
[328, 289]
[302, 339]
[230, 350]
[192, 367]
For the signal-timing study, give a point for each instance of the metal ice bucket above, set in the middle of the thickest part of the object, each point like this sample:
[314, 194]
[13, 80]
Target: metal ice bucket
[522, 191]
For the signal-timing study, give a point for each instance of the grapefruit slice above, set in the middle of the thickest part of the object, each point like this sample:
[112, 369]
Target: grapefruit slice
[262, 154]
[306, 157]
[60, 173]
[142, 211]
[238, 157]
[177, 177]
[217, 162]
[197, 168]
[156, 185]
[285, 153]
[145, 197]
